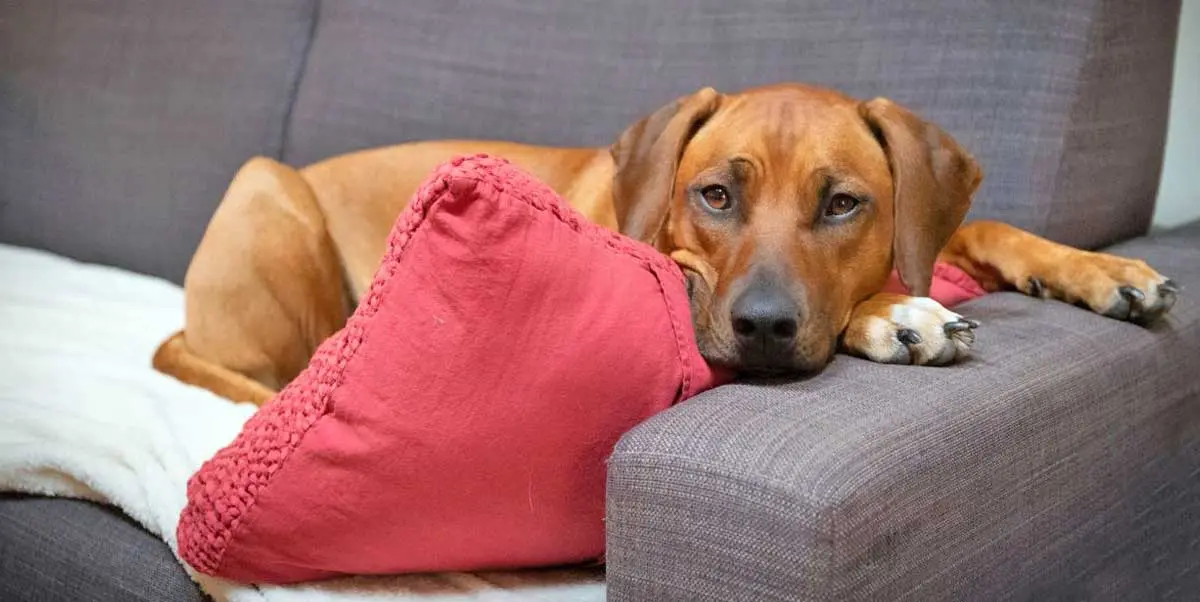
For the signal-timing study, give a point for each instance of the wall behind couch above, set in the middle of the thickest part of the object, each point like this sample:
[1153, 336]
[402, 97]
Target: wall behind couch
[1179, 190]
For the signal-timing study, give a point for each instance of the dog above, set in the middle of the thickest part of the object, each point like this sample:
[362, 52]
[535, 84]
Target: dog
[787, 207]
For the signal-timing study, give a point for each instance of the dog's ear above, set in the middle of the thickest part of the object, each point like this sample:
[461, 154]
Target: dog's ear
[933, 180]
[646, 157]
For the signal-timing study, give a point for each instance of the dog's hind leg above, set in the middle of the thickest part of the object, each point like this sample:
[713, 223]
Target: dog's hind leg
[264, 288]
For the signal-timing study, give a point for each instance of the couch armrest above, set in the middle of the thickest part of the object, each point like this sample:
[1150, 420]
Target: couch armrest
[1061, 462]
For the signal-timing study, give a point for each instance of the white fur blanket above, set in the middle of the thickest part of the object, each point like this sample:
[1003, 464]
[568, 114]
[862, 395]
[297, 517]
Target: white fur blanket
[83, 415]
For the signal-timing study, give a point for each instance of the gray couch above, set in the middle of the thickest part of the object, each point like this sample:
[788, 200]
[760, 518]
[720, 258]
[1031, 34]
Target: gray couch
[1062, 462]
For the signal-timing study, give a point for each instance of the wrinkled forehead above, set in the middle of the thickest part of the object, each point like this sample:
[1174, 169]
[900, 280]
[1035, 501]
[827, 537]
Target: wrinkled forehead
[792, 133]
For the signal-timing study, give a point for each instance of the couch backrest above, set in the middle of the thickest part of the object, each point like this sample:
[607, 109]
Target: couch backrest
[122, 122]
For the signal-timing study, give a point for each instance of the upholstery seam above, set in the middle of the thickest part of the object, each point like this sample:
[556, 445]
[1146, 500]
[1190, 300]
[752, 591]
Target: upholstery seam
[285, 136]
[1069, 117]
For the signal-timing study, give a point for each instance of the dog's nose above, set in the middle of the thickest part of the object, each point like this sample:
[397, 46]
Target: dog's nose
[765, 320]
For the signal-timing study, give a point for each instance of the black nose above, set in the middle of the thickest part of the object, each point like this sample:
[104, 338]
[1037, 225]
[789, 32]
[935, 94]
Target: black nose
[765, 320]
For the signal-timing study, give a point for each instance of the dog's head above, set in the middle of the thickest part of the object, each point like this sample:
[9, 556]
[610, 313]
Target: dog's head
[786, 206]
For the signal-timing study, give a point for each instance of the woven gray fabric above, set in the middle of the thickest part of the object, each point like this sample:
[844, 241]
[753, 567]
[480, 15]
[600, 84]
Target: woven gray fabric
[1064, 103]
[1112, 149]
[122, 122]
[58, 549]
[1061, 463]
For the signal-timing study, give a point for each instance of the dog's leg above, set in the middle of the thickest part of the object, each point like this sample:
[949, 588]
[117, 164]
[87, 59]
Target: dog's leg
[1002, 257]
[174, 358]
[891, 328]
[264, 288]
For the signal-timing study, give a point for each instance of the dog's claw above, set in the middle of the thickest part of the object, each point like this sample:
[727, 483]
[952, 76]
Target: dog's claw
[958, 326]
[1036, 288]
[909, 336]
[1145, 316]
[1132, 294]
[973, 323]
[1167, 292]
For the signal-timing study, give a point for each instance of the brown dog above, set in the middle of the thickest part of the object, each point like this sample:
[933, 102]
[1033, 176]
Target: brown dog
[787, 206]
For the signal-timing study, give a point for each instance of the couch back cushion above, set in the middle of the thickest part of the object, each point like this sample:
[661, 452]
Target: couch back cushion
[1064, 103]
[121, 122]
[144, 114]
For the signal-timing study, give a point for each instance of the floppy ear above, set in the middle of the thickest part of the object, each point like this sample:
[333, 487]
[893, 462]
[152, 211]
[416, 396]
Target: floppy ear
[646, 157]
[933, 179]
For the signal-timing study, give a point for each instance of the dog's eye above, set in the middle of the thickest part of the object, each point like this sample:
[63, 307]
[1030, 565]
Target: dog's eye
[716, 197]
[841, 205]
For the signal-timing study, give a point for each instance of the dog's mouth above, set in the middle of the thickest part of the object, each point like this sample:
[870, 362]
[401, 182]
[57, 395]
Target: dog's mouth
[760, 372]
[698, 273]
[800, 370]
[775, 376]
[691, 280]
[726, 355]
[764, 372]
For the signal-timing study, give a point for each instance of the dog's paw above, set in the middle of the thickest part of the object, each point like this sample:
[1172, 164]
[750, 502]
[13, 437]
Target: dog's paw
[1117, 287]
[898, 329]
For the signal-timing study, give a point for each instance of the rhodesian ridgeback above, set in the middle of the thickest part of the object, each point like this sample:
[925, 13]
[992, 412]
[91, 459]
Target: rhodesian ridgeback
[787, 207]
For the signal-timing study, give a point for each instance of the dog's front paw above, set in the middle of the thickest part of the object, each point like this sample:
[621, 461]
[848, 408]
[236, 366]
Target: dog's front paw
[1117, 287]
[898, 329]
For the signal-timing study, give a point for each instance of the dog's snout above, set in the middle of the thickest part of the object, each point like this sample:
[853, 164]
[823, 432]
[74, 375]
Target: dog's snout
[765, 320]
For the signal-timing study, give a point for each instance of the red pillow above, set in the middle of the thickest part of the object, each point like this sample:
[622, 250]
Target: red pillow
[462, 418]
[950, 285]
